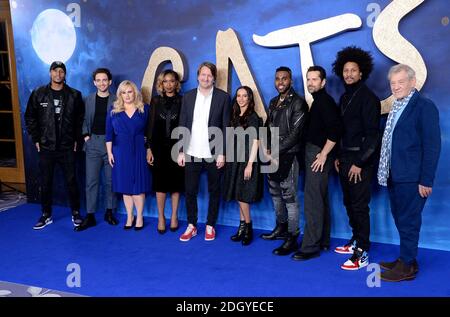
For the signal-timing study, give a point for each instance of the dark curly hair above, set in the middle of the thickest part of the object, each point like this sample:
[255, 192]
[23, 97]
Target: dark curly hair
[356, 55]
[236, 119]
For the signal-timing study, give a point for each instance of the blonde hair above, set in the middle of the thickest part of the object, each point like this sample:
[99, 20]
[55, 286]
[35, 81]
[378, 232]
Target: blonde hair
[160, 79]
[119, 104]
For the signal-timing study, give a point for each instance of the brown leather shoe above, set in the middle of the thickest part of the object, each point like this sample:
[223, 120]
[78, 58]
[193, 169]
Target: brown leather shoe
[400, 272]
[391, 265]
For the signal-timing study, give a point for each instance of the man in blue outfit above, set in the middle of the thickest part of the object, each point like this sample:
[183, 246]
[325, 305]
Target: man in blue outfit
[409, 157]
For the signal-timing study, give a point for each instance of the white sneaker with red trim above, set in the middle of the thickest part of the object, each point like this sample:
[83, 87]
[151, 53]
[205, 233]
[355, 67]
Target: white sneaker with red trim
[346, 249]
[358, 260]
[210, 233]
[191, 231]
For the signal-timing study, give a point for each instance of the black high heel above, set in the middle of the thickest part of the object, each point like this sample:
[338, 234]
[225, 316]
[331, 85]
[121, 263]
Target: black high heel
[173, 229]
[132, 224]
[141, 227]
[162, 231]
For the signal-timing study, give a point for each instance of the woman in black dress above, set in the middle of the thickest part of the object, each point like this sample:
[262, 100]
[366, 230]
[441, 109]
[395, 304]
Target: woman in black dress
[243, 180]
[168, 177]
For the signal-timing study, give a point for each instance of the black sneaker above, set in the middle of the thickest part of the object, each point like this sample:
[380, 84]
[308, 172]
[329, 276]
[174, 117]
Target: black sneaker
[43, 221]
[76, 218]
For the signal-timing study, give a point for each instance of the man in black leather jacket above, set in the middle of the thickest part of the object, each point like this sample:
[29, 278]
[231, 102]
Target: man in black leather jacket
[287, 112]
[54, 117]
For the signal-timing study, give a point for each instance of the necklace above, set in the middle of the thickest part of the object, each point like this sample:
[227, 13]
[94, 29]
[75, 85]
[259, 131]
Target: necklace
[344, 108]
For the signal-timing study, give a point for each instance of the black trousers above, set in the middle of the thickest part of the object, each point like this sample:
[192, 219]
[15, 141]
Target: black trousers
[192, 181]
[356, 200]
[47, 162]
[317, 207]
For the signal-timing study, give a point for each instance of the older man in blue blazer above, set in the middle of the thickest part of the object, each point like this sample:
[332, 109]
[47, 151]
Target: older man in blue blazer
[409, 157]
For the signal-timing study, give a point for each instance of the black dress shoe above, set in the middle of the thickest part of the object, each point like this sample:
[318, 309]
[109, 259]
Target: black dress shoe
[88, 222]
[302, 256]
[289, 245]
[109, 218]
[132, 224]
[280, 232]
[162, 231]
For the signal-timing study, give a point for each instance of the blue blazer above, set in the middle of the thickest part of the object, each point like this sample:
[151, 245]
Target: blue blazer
[219, 113]
[416, 143]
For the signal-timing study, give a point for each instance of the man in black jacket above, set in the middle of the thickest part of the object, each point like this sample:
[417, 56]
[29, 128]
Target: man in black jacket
[287, 112]
[360, 111]
[54, 117]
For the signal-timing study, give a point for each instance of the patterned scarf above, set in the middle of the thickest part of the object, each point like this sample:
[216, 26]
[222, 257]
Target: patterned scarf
[385, 159]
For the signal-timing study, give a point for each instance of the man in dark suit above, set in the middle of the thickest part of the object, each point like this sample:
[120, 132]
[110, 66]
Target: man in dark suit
[409, 157]
[205, 112]
[94, 125]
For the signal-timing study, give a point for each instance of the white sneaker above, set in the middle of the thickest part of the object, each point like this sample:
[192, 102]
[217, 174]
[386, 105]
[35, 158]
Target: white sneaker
[346, 249]
[358, 260]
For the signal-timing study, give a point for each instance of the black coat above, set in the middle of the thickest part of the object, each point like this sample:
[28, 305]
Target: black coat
[290, 120]
[40, 118]
[360, 111]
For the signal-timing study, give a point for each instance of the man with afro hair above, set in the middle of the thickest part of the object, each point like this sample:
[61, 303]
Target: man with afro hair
[360, 112]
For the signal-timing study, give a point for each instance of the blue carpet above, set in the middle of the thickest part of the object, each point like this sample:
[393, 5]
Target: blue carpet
[117, 262]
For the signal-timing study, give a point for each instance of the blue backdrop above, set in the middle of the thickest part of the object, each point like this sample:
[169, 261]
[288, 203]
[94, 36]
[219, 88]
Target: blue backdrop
[122, 35]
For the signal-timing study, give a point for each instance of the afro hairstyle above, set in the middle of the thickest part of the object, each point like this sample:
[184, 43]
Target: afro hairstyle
[356, 55]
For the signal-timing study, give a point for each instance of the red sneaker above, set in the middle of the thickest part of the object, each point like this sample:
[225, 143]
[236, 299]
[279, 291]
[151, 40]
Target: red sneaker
[190, 232]
[358, 260]
[210, 233]
[346, 249]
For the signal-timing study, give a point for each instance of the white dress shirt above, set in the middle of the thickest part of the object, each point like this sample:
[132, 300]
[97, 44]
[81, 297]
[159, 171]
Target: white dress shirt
[199, 143]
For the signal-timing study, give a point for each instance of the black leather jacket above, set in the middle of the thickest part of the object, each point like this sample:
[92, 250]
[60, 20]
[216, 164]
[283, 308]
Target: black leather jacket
[290, 117]
[40, 118]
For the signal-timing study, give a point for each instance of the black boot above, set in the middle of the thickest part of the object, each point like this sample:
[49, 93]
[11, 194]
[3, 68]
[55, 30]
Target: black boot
[248, 234]
[88, 222]
[240, 233]
[289, 245]
[109, 218]
[278, 233]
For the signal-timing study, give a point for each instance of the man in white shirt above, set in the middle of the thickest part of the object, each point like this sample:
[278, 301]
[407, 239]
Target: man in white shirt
[203, 109]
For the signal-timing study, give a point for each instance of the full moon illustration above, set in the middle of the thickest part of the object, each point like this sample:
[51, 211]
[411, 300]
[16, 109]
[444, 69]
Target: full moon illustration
[53, 36]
